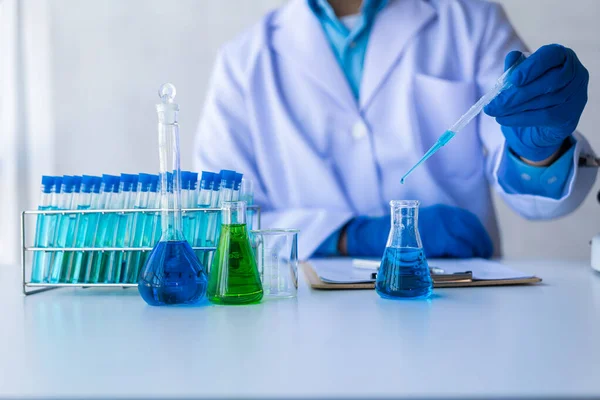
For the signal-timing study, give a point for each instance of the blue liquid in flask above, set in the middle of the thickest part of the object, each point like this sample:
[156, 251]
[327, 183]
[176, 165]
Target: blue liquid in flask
[404, 273]
[178, 278]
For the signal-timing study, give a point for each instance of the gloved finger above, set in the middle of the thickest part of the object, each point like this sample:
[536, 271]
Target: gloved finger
[564, 115]
[563, 82]
[545, 58]
[511, 58]
[521, 99]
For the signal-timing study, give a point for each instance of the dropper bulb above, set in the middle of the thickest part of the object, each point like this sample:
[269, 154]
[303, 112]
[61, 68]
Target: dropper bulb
[167, 92]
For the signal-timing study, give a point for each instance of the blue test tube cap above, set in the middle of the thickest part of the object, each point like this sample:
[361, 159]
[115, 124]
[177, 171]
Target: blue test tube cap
[206, 179]
[87, 183]
[127, 182]
[116, 182]
[106, 178]
[154, 183]
[97, 184]
[237, 181]
[216, 181]
[68, 184]
[127, 177]
[77, 184]
[227, 178]
[58, 183]
[144, 181]
[47, 183]
[193, 180]
[111, 182]
[134, 182]
[144, 178]
[185, 180]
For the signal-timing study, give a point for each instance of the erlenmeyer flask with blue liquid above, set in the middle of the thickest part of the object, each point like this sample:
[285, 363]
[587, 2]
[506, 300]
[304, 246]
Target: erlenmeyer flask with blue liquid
[172, 273]
[404, 272]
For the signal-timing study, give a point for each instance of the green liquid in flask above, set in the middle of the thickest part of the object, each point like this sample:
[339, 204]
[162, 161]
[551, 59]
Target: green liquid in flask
[234, 277]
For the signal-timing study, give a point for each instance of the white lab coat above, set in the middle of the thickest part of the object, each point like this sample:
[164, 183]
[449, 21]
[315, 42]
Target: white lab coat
[280, 110]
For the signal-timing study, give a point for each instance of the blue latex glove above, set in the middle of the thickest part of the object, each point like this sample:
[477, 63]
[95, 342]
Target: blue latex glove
[445, 232]
[543, 106]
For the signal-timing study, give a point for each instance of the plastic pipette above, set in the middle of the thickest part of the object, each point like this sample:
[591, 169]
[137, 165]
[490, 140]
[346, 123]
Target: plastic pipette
[501, 84]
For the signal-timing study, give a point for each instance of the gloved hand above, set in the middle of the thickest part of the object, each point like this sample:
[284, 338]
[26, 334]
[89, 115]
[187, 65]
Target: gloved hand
[445, 232]
[543, 106]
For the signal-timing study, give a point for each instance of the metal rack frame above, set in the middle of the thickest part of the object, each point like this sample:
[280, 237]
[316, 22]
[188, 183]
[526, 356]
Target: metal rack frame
[32, 288]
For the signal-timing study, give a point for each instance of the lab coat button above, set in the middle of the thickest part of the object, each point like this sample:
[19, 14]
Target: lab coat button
[359, 130]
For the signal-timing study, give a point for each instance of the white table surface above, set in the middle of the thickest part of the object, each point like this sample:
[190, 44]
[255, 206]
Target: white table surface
[504, 341]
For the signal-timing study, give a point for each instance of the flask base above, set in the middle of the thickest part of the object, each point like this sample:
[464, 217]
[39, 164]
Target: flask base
[406, 294]
[404, 274]
[249, 298]
[172, 275]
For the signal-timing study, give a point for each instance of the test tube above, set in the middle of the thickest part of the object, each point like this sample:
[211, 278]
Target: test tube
[86, 196]
[108, 200]
[185, 203]
[247, 195]
[136, 235]
[65, 226]
[237, 181]
[151, 221]
[192, 202]
[204, 196]
[226, 186]
[117, 237]
[247, 191]
[194, 189]
[42, 237]
[71, 236]
[87, 233]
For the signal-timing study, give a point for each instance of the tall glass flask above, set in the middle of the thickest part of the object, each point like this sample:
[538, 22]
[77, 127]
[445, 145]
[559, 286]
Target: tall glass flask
[404, 272]
[172, 274]
[234, 277]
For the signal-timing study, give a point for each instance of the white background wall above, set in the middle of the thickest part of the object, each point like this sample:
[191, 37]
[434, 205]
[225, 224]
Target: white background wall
[107, 59]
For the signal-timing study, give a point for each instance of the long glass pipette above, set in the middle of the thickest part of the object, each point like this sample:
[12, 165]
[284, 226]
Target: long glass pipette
[501, 84]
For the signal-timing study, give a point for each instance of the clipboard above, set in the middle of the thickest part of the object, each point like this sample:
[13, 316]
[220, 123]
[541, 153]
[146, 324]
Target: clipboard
[316, 282]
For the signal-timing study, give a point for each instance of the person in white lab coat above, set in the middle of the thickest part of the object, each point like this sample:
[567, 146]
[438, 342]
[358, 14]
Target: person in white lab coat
[325, 105]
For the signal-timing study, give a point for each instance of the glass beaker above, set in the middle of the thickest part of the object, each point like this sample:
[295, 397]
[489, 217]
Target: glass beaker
[172, 273]
[404, 272]
[276, 252]
[234, 277]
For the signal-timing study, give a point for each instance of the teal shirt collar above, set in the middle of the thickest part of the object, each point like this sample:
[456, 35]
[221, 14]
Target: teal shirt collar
[368, 10]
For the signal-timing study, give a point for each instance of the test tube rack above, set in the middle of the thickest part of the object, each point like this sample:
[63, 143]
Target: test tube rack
[27, 250]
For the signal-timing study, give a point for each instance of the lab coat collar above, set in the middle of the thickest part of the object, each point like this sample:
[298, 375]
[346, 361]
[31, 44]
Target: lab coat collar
[298, 37]
[392, 30]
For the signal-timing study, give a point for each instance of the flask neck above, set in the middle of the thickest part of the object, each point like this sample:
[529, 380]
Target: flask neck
[233, 213]
[404, 230]
[170, 181]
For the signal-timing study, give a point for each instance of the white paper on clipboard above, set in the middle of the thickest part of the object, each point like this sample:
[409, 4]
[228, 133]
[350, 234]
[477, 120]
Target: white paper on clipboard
[345, 270]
